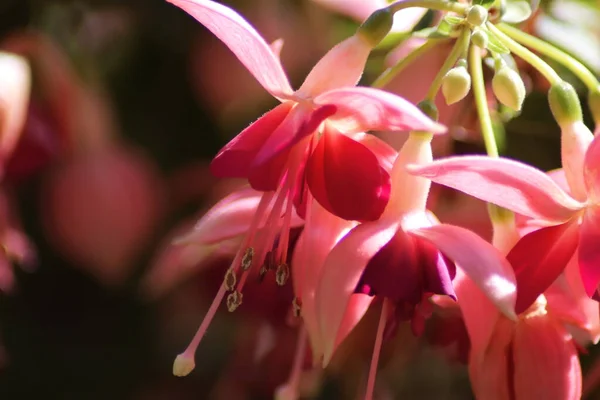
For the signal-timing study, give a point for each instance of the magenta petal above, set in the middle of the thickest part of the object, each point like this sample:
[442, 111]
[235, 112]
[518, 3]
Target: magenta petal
[345, 177]
[509, 184]
[243, 40]
[267, 166]
[591, 169]
[233, 161]
[367, 109]
[589, 249]
[539, 258]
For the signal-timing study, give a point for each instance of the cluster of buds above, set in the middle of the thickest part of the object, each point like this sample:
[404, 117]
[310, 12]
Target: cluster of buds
[368, 240]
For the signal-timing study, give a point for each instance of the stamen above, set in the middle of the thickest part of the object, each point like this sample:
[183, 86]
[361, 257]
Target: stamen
[297, 306]
[282, 274]
[184, 362]
[230, 280]
[290, 389]
[377, 350]
[234, 300]
[247, 258]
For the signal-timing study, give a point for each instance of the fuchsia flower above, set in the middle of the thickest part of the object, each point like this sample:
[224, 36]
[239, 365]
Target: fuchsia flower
[566, 223]
[404, 257]
[535, 356]
[307, 141]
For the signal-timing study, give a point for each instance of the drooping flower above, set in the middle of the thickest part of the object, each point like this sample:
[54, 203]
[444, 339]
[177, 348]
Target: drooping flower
[404, 257]
[566, 223]
[308, 141]
[534, 356]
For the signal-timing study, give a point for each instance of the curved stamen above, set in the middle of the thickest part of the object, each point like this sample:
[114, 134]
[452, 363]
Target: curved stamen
[377, 350]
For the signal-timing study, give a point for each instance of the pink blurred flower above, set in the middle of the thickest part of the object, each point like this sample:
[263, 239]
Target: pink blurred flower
[566, 223]
[283, 147]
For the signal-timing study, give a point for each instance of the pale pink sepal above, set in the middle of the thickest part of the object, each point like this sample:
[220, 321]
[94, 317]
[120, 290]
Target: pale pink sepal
[481, 261]
[591, 170]
[575, 140]
[321, 232]
[367, 109]
[243, 40]
[229, 218]
[15, 82]
[509, 184]
[546, 363]
[343, 65]
[341, 273]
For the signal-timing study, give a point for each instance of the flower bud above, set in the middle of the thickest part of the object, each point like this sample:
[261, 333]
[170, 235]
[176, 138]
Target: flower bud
[594, 104]
[508, 87]
[477, 15]
[480, 38]
[564, 103]
[377, 26]
[456, 84]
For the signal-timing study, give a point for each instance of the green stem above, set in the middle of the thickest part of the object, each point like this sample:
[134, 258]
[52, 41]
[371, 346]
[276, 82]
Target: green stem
[526, 55]
[440, 5]
[487, 130]
[461, 45]
[391, 72]
[576, 67]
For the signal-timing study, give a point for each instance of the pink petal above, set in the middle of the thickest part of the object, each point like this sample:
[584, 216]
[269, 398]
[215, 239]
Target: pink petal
[15, 82]
[342, 66]
[591, 170]
[545, 360]
[343, 269]
[234, 160]
[575, 140]
[345, 177]
[481, 261]
[321, 232]
[268, 165]
[384, 152]
[509, 184]
[589, 249]
[539, 258]
[368, 109]
[243, 40]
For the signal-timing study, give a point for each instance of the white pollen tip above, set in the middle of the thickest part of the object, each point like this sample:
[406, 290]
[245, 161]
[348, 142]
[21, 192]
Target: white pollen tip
[183, 365]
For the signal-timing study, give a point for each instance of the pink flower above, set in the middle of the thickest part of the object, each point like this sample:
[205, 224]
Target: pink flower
[535, 356]
[300, 143]
[566, 223]
[404, 257]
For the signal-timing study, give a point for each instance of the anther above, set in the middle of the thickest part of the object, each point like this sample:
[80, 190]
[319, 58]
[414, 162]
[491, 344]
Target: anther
[282, 274]
[297, 306]
[247, 258]
[234, 300]
[230, 280]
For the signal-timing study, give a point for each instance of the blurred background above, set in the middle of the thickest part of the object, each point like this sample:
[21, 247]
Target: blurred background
[129, 101]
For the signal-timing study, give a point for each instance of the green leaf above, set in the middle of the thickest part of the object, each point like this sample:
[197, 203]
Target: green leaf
[517, 11]
[495, 44]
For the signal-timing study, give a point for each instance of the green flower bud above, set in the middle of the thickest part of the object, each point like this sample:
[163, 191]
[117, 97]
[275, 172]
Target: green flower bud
[508, 87]
[594, 104]
[430, 109]
[480, 38]
[456, 84]
[477, 15]
[564, 103]
[377, 26]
